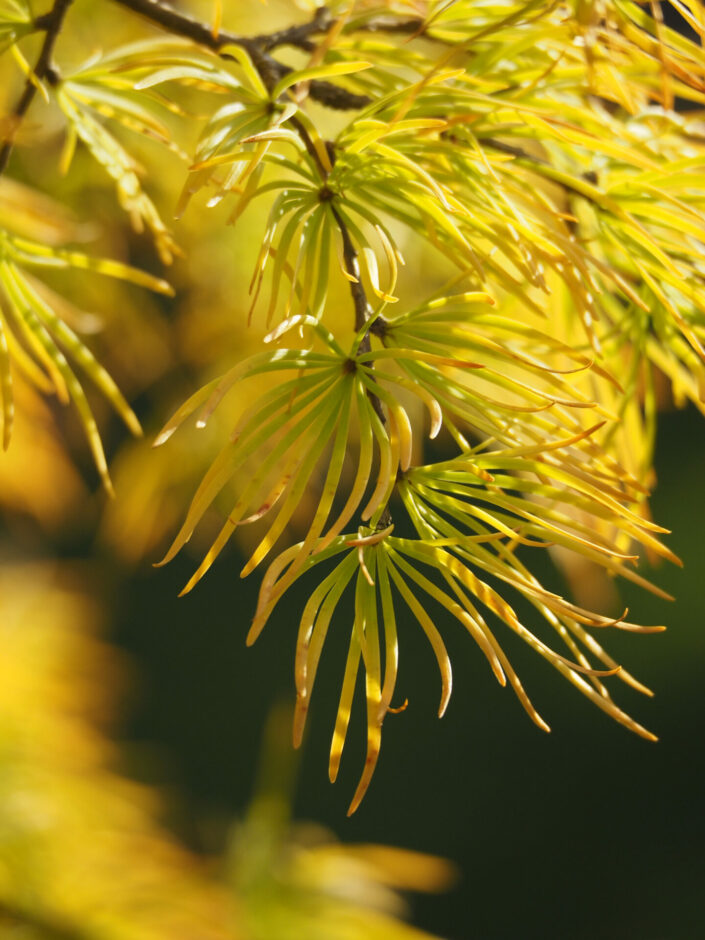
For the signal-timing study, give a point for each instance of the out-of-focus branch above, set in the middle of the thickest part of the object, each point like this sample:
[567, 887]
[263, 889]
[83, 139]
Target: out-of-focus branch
[52, 23]
[43, 925]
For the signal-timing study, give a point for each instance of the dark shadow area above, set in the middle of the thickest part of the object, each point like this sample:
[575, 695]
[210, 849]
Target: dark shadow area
[588, 832]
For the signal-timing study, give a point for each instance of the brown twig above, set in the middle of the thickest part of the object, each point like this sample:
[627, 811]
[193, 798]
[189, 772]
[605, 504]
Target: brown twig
[257, 47]
[52, 23]
[414, 26]
[359, 296]
[181, 24]
[298, 36]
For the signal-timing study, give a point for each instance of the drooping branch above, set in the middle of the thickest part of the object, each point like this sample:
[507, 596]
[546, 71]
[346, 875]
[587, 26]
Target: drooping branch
[352, 267]
[52, 23]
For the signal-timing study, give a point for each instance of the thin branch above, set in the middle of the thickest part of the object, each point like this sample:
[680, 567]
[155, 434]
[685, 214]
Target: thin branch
[52, 23]
[322, 22]
[184, 25]
[181, 24]
[298, 36]
[357, 289]
[310, 147]
[333, 96]
[257, 47]
[362, 309]
[352, 266]
[414, 26]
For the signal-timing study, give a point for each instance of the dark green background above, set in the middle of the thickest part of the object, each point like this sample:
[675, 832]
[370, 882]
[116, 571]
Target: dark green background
[588, 832]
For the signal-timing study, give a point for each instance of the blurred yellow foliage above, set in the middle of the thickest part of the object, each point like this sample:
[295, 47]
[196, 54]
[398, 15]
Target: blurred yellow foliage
[82, 854]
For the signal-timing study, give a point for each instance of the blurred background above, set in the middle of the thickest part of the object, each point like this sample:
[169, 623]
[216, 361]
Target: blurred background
[147, 784]
[587, 832]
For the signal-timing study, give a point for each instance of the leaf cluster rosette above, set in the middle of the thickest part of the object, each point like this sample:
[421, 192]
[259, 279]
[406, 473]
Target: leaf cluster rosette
[35, 339]
[535, 480]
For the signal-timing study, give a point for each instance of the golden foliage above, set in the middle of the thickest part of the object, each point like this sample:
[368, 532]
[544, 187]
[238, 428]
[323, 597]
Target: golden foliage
[545, 159]
[82, 854]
